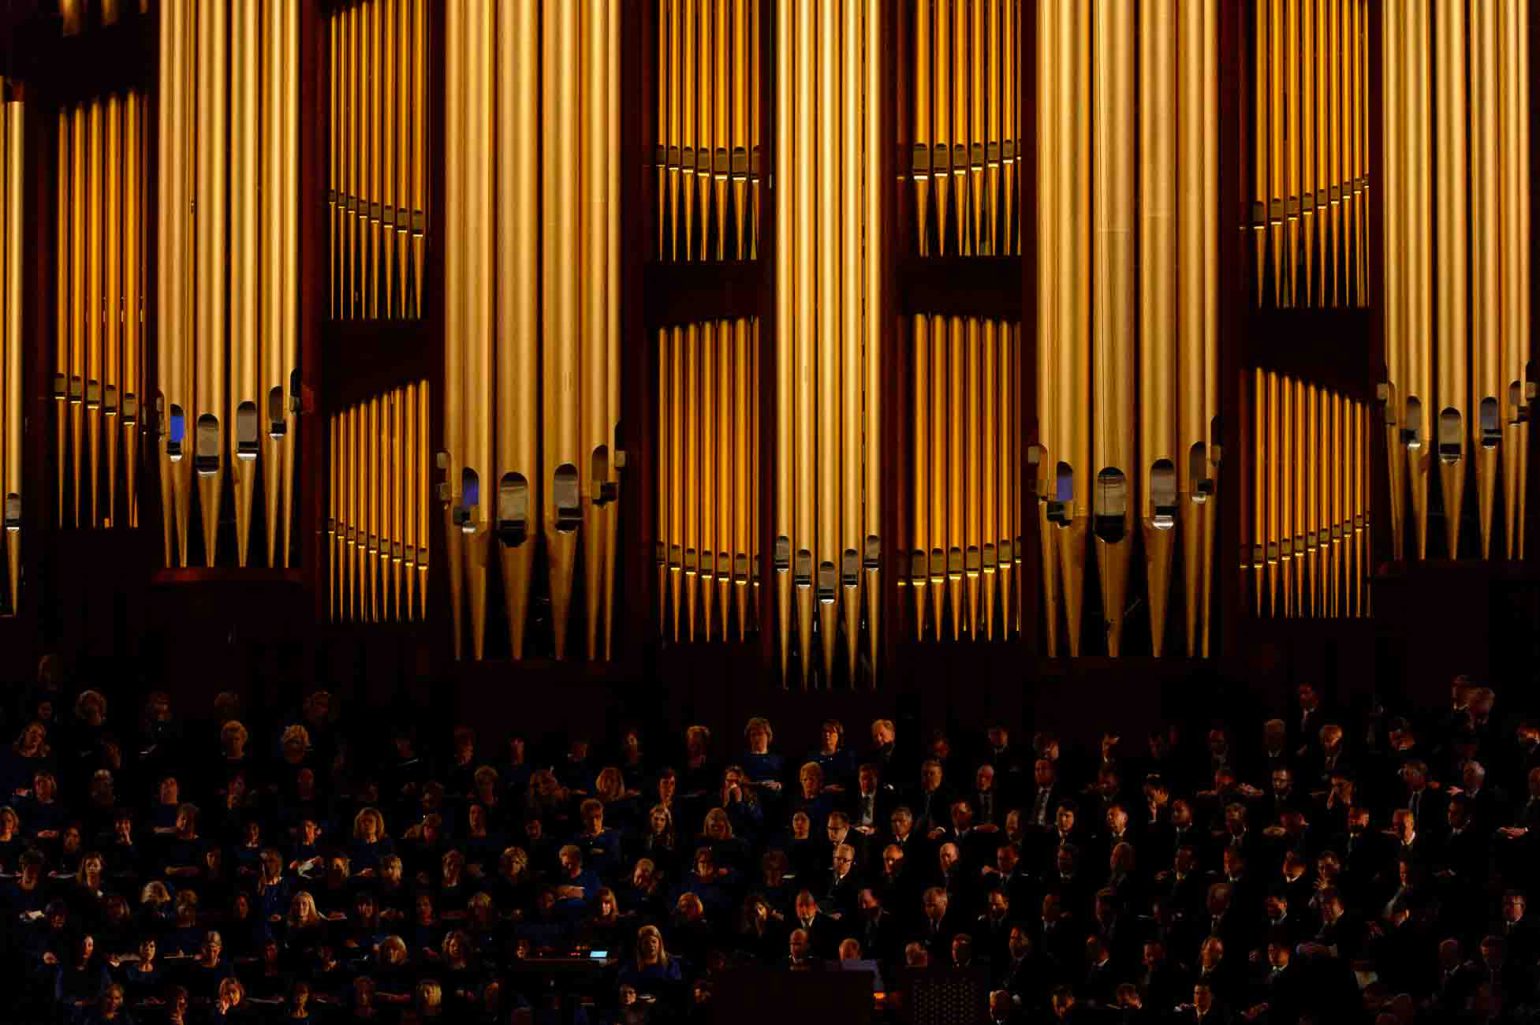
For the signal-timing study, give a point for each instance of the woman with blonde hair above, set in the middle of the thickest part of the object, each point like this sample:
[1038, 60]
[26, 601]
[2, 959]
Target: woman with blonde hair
[651, 971]
[231, 994]
[661, 844]
[370, 842]
[430, 999]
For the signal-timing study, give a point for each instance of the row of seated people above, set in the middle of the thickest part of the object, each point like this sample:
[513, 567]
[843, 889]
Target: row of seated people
[1311, 867]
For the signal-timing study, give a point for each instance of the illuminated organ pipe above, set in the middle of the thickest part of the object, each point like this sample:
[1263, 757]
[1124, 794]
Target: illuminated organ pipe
[827, 535]
[1311, 469]
[531, 407]
[962, 137]
[379, 504]
[100, 234]
[717, 450]
[12, 128]
[228, 249]
[1458, 383]
[1152, 457]
[377, 162]
[1309, 168]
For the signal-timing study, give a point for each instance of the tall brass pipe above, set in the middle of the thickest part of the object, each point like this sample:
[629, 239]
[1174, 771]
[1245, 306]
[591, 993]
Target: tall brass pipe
[1419, 405]
[786, 333]
[691, 492]
[1261, 539]
[1291, 72]
[112, 290]
[1008, 486]
[1484, 412]
[721, 102]
[972, 462]
[940, 461]
[421, 516]
[612, 334]
[517, 197]
[477, 441]
[705, 128]
[63, 309]
[1112, 287]
[457, 67]
[805, 257]
[212, 194]
[957, 429]
[688, 107]
[1511, 108]
[743, 475]
[174, 366]
[678, 398]
[990, 530]
[1208, 490]
[850, 283]
[706, 484]
[1521, 218]
[941, 130]
[594, 469]
[920, 154]
[978, 61]
[743, 34]
[78, 318]
[961, 128]
[1012, 147]
[132, 385]
[1450, 222]
[333, 514]
[732, 431]
[994, 239]
[873, 186]
[1309, 63]
[1274, 407]
[1160, 118]
[1261, 153]
[825, 221]
[94, 313]
[1277, 32]
[285, 386]
[11, 422]
[922, 474]
[242, 414]
[1393, 232]
[1050, 217]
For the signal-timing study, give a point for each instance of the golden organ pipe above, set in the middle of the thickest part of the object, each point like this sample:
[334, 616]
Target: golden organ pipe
[1307, 131]
[1074, 370]
[1007, 488]
[113, 306]
[1158, 278]
[978, 61]
[730, 431]
[824, 230]
[940, 459]
[742, 477]
[741, 84]
[941, 112]
[690, 495]
[457, 70]
[706, 427]
[875, 299]
[131, 384]
[95, 315]
[1483, 412]
[846, 551]
[594, 468]
[63, 310]
[920, 159]
[988, 421]
[1510, 395]
[11, 390]
[1052, 97]
[244, 187]
[1450, 223]
[476, 442]
[961, 185]
[1396, 112]
[920, 554]
[610, 208]
[1112, 287]
[806, 183]
[210, 301]
[78, 318]
[1012, 144]
[786, 90]
[972, 469]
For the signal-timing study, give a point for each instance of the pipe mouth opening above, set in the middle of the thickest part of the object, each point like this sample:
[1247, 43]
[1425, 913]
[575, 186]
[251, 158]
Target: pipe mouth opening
[919, 566]
[954, 562]
[130, 408]
[1411, 435]
[1163, 492]
[565, 496]
[1516, 402]
[1060, 503]
[802, 568]
[1450, 435]
[470, 500]
[599, 472]
[76, 388]
[1110, 520]
[59, 386]
[972, 561]
[110, 400]
[206, 455]
[176, 432]
[93, 393]
[780, 554]
[1490, 421]
[12, 519]
[246, 430]
[850, 567]
[277, 425]
[741, 569]
[828, 580]
[513, 511]
[871, 556]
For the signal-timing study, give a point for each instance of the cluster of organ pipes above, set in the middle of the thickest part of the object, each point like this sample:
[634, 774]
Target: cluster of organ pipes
[707, 155]
[965, 534]
[828, 287]
[1456, 240]
[708, 479]
[377, 525]
[227, 352]
[1127, 329]
[965, 79]
[378, 161]
[97, 384]
[1310, 152]
[12, 391]
[532, 332]
[1309, 529]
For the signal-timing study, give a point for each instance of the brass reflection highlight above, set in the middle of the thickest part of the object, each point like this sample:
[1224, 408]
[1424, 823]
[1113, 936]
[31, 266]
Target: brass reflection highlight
[961, 139]
[531, 406]
[1309, 175]
[1458, 375]
[827, 545]
[1309, 537]
[1128, 341]
[98, 379]
[377, 524]
[377, 164]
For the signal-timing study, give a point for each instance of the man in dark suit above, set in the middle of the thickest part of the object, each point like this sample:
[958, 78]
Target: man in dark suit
[875, 927]
[931, 800]
[823, 932]
[844, 883]
[1023, 972]
[1046, 795]
[938, 924]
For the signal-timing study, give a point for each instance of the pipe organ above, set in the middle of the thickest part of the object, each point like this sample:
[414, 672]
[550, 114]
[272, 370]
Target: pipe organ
[1309, 220]
[707, 156]
[12, 340]
[1456, 239]
[532, 319]
[98, 324]
[226, 289]
[377, 168]
[962, 138]
[828, 283]
[1127, 327]
[708, 479]
[1309, 524]
[964, 534]
[377, 508]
